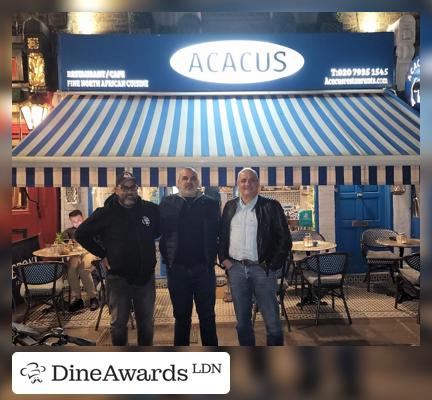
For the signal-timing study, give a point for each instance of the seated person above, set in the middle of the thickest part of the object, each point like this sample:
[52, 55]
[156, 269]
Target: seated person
[79, 267]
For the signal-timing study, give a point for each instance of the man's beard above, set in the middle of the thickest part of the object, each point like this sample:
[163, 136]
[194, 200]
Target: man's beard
[189, 192]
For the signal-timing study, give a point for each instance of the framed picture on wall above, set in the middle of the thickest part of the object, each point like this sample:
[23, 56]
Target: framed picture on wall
[17, 66]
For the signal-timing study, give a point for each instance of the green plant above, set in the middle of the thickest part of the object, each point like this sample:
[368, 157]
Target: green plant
[59, 238]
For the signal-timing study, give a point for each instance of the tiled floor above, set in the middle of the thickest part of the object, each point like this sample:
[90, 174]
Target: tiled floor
[375, 320]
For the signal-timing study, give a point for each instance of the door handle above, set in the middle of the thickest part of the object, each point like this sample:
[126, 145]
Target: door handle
[359, 194]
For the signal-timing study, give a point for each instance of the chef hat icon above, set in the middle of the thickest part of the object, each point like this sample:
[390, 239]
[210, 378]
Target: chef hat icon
[33, 371]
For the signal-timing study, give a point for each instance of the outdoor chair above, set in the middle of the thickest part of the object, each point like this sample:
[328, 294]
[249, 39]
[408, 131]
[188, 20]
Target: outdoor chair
[408, 280]
[325, 273]
[282, 276]
[298, 256]
[100, 284]
[377, 257]
[42, 284]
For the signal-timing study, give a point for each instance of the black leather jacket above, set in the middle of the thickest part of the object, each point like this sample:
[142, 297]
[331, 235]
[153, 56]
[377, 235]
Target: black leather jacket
[170, 209]
[273, 236]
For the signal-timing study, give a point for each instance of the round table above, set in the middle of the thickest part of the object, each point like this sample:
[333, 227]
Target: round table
[410, 243]
[321, 246]
[51, 253]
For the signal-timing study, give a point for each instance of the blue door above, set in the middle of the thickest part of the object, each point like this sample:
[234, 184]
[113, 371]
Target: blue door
[360, 207]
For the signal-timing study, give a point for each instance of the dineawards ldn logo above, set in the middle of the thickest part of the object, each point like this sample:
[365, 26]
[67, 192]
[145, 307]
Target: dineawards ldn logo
[121, 373]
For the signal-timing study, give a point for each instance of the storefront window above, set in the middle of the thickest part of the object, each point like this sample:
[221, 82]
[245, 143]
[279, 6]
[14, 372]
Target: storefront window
[293, 199]
[19, 199]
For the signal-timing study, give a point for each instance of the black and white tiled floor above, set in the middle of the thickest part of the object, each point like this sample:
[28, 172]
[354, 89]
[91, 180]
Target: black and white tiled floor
[362, 304]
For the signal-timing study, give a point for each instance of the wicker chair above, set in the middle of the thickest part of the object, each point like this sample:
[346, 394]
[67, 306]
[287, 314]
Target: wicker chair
[325, 273]
[377, 257]
[299, 256]
[42, 284]
[408, 280]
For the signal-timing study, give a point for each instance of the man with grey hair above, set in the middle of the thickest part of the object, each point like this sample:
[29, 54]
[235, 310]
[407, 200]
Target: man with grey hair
[188, 244]
[254, 242]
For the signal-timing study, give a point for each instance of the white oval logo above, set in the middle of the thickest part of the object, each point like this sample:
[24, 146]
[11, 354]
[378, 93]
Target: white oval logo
[236, 61]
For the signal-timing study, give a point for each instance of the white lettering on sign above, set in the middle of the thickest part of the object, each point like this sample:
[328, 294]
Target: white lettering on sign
[236, 61]
[102, 79]
[358, 76]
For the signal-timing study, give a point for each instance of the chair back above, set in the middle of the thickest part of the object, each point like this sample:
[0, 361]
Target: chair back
[370, 236]
[297, 236]
[327, 263]
[413, 260]
[41, 272]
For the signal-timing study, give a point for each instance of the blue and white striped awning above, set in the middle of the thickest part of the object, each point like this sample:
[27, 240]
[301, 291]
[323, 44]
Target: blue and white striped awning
[290, 140]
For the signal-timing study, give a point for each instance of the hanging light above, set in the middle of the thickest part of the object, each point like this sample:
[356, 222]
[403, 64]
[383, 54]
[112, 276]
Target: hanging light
[34, 113]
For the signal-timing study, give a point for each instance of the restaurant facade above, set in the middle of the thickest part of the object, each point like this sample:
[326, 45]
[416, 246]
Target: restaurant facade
[314, 114]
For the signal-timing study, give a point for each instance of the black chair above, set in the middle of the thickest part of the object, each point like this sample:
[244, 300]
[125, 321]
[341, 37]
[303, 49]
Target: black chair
[42, 284]
[297, 257]
[378, 257]
[100, 280]
[282, 276]
[325, 273]
[408, 281]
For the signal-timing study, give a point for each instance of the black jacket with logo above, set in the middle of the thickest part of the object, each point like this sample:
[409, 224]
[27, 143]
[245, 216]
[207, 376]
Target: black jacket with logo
[125, 236]
[273, 236]
[170, 211]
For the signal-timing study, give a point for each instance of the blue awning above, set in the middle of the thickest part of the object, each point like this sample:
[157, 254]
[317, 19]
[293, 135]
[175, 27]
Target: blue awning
[289, 139]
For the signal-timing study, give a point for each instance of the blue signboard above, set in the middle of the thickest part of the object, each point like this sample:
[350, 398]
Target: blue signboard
[221, 63]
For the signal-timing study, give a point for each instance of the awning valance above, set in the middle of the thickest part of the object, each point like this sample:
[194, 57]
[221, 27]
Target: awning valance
[289, 139]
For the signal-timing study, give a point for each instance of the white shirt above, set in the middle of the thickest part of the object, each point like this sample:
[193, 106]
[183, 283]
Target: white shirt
[243, 232]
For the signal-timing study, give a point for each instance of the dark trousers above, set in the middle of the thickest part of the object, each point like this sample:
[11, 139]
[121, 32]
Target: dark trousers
[121, 295]
[187, 284]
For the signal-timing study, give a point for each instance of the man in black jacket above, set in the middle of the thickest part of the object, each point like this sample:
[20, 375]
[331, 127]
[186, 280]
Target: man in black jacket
[188, 244]
[122, 234]
[254, 242]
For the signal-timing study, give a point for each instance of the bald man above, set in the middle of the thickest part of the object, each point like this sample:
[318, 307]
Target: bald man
[254, 242]
[188, 244]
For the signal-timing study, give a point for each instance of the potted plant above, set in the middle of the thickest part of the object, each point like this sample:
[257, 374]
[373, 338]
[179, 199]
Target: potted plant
[59, 242]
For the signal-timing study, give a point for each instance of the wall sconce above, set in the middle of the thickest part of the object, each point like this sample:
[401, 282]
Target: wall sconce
[34, 113]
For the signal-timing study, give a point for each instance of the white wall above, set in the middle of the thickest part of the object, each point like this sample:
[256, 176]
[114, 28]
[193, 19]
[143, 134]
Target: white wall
[402, 212]
[327, 218]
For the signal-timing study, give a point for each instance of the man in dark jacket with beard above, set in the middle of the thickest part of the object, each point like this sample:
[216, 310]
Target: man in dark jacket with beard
[122, 234]
[188, 244]
[254, 242]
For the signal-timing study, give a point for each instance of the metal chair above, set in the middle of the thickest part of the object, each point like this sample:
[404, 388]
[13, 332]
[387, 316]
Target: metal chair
[42, 284]
[103, 294]
[408, 280]
[298, 257]
[325, 274]
[377, 257]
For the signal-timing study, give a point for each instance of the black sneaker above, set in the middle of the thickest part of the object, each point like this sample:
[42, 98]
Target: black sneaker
[76, 305]
[94, 304]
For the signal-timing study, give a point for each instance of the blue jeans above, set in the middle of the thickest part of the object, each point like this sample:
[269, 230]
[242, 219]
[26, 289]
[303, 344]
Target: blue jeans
[121, 295]
[247, 283]
[187, 284]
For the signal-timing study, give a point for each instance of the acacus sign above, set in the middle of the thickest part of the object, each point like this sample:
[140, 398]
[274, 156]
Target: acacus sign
[236, 61]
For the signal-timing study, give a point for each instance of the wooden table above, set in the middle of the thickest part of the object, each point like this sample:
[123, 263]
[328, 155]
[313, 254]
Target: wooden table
[321, 246]
[410, 243]
[49, 253]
